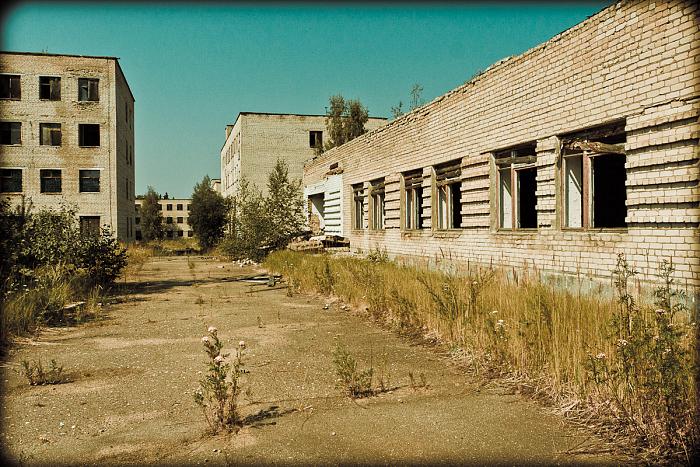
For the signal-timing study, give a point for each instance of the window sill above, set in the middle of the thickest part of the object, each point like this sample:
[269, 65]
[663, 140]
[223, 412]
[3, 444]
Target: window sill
[51, 193]
[447, 233]
[88, 147]
[89, 192]
[595, 230]
[516, 231]
[11, 192]
[17, 145]
[10, 98]
[49, 100]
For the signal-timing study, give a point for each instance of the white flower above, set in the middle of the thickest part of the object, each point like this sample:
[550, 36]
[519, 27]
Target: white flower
[218, 359]
[500, 323]
[205, 340]
[241, 344]
[211, 330]
[622, 342]
[600, 356]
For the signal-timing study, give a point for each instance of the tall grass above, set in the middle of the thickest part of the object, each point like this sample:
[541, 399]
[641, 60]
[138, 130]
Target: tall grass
[517, 326]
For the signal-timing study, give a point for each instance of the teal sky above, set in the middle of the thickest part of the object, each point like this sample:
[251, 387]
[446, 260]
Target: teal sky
[193, 67]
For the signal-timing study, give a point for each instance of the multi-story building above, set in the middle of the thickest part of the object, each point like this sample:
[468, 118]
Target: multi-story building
[67, 137]
[256, 141]
[555, 160]
[175, 212]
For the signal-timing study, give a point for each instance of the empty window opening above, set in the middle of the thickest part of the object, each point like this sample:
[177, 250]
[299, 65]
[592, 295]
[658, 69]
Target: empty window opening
[10, 87]
[190, 233]
[10, 180]
[50, 88]
[90, 225]
[50, 134]
[10, 133]
[316, 139]
[413, 199]
[180, 233]
[179, 220]
[138, 221]
[89, 181]
[168, 220]
[50, 180]
[358, 197]
[449, 195]
[593, 178]
[88, 89]
[316, 213]
[89, 134]
[169, 234]
[377, 204]
[517, 187]
[179, 207]
[139, 236]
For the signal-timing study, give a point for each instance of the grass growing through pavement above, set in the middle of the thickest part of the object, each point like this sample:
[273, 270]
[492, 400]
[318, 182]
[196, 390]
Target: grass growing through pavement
[581, 352]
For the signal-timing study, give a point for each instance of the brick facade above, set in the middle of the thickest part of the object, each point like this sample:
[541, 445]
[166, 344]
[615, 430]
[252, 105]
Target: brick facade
[633, 66]
[175, 213]
[111, 109]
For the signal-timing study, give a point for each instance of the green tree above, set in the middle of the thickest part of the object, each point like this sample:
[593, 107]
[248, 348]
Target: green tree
[151, 216]
[208, 213]
[284, 206]
[345, 120]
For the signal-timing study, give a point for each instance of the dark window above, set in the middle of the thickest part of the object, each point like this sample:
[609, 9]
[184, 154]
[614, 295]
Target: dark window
[10, 133]
[50, 88]
[179, 207]
[88, 89]
[179, 220]
[188, 207]
[179, 233]
[50, 180]
[169, 234]
[169, 207]
[517, 187]
[413, 199]
[609, 194]
[50, 134]
[358, 197]
[138, 221]
[376, 193]
[316, 139]
[89, 181]
[10, 87]
[90, 225]
[138, 235]
[449, 195]
[168, 220]
[10, 180]
[89, 134]
[190, 233]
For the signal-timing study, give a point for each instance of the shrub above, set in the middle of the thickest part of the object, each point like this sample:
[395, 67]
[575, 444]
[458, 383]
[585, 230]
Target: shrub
[357, 383]
[36, 374]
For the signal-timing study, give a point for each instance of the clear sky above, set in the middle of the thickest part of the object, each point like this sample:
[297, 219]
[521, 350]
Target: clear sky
[192, 67]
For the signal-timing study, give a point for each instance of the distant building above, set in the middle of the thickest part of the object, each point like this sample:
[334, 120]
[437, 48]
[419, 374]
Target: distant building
[67, 137]
[216, 184]
[175, 212]
[256, 140]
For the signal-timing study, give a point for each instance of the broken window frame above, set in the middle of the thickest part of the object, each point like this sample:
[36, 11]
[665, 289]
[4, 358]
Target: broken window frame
[50, 181]
[358, 200]
[50, 134]
[10, 87]
[315, 139]
[83, 135]
[88, 89]
[49, 88]
[10, 180]
[510, 165]
[11, 133]
[90, 225]
[412, 197]
[377, 206]
[89, 180]
[587, 146]
[448, 192]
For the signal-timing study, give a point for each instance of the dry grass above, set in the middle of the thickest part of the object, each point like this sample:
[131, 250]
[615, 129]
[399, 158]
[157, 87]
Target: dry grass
[534, 335]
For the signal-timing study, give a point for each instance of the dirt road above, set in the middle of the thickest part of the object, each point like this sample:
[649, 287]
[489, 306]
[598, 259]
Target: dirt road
[133, 373]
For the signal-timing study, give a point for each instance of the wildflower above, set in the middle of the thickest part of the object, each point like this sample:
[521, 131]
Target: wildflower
[211, 330]
[500, 323]
[205, 340]
[241, 344]
[622, 342]
[660, 311]
[218, 359]
[600, 356]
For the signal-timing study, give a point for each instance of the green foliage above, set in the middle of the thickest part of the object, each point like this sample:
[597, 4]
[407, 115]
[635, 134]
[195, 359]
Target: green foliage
[36, 374]
[357, 383]
[345, 120]
[208, 214]
[219, 390]
[100, 257]
[260, 224]
[151, 216]
[415, 102]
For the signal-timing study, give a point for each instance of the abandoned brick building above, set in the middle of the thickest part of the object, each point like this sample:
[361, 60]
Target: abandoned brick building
[256, 141]
[175, 213]
[67, 136]
[558, 159]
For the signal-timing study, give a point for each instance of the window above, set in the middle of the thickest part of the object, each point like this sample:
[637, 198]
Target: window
[179, 207]
[358, 197]
[10, 133]
[89, 181]
[138, 221]
[593, 178]
[179, 220]
[413, 199]
[88, 89]
[89, 134]
[169, 207]
[517, 187]
[188, 207]
[138, 235]
[180, 233]
[160, 207]
[49, 88]
[190, 233]
[50, 134]
[50, 180]
[169, 234]
[10, 180]
[90, 225]
[376, 193]
[10, 87]
[449, 195]
[168, 220]
[316, 139]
